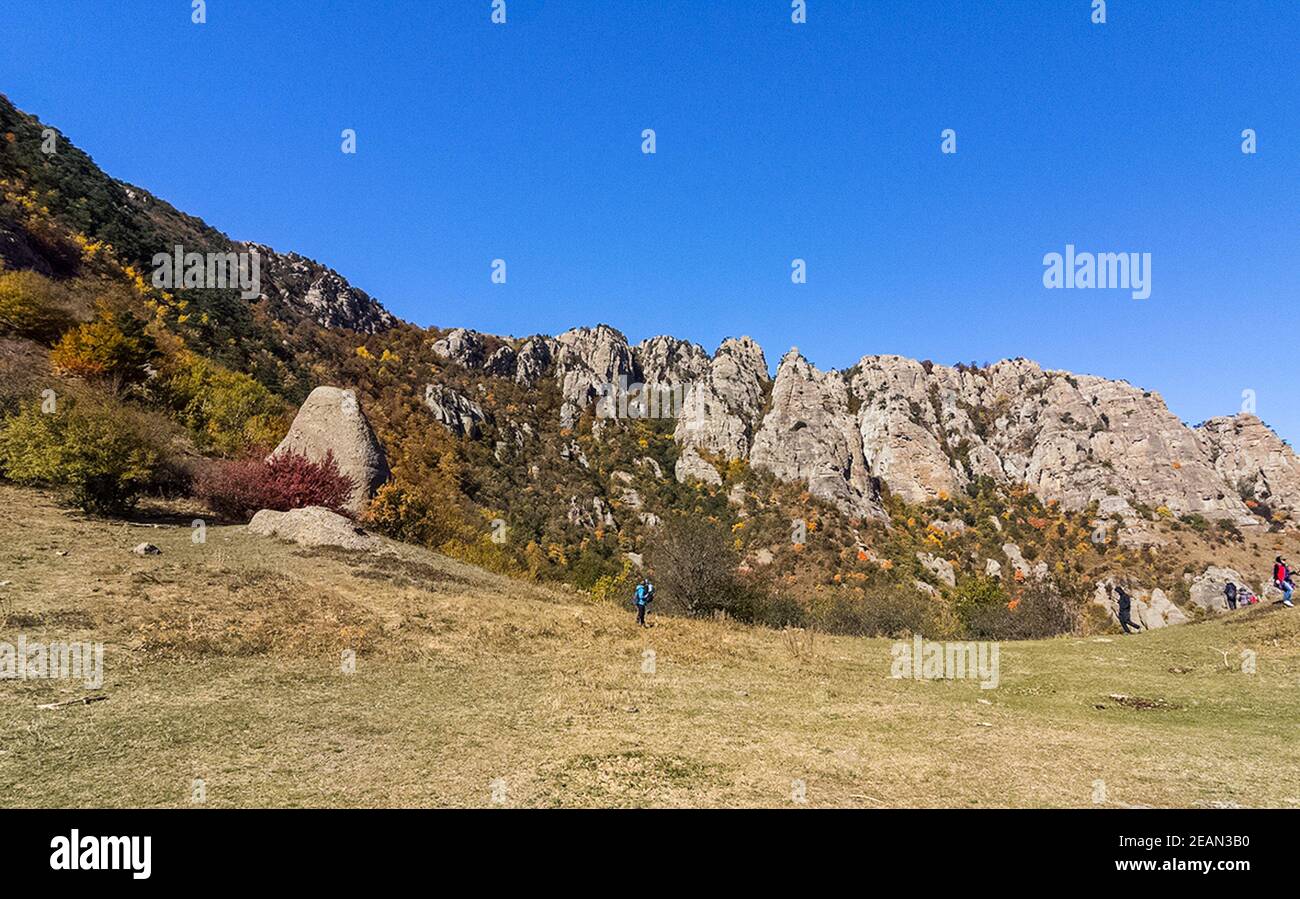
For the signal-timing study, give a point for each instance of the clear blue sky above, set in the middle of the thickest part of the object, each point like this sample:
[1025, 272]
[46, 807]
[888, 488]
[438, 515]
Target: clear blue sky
[775, 141]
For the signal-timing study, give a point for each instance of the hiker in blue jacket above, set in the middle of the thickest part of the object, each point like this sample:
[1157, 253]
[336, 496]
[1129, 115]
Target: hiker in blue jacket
[645, 594]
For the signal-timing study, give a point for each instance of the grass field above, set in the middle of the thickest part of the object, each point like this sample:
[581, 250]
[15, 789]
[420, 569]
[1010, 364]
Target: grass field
[223, 663]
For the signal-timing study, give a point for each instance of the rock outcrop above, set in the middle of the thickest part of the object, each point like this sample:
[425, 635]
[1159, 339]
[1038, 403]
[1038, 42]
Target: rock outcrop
[1151, 608]
[724, 401]
[331, 420]
[587, 362]
[691, 466]
[929, 429]
[318, 292]
[312, 526]
[809, 436]
[1255, 461]
[455, 412]
[534, 360]
[926, 431]
[461, 346]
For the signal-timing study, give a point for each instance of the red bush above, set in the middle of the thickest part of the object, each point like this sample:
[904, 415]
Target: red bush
[287, 481]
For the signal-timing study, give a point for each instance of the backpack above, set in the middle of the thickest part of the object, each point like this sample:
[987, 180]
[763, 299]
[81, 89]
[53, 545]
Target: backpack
[1231, 591]
[1279, 574]
[640, 597]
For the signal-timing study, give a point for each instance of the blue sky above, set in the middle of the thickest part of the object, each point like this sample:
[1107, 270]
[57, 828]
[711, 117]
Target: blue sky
[775, 141]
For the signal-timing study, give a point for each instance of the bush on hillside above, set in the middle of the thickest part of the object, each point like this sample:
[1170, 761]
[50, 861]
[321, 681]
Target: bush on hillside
[1038, 609]
[114, 347]
[880, 613]
[227, 412]
[289, 480]
[424, 516]
[98, 451]
[33, 307]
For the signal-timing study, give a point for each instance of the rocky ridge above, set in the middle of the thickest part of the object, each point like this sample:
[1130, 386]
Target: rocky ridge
[920, 430]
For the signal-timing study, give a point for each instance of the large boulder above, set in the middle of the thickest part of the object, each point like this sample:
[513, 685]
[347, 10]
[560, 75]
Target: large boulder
[1151, 608]
[938, 568]
[331, 420]
[1207, 590]
[312, 526]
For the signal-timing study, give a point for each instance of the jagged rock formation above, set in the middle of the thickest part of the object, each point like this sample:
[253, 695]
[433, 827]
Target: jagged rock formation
[332, 421]
[588, 360]
[458, 414]
[322, 294]
[810, 436]
[534, 360]
[462, 346]
[923, 430]
[1250, 457]
[1074, 439]
[723, 404]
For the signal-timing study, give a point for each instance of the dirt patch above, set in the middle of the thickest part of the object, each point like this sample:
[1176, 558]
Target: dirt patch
[1142, 703]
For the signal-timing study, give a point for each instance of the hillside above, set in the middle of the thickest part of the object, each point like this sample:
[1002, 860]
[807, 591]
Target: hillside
[222, 663]
[898, 496]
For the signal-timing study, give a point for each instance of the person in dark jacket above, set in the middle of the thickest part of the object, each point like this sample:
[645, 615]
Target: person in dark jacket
[1230, 594]
[1125, 610]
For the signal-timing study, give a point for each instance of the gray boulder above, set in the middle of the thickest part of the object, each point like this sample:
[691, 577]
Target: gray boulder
[312, 526]
[1151, 609]
[939, 568]
[1207, 589]
[331, 420]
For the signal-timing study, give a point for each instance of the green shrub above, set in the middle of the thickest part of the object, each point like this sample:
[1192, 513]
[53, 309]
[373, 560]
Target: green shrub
[32, 306]
[97, 451]
[227, 412]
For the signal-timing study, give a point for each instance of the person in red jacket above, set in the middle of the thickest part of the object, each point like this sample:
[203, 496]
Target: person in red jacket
[1282, 580]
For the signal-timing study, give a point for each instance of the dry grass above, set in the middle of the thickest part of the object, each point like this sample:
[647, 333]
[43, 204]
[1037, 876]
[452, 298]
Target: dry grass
[223, 662]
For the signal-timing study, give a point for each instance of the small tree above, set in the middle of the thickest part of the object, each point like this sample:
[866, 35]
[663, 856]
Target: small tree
[694, 565]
